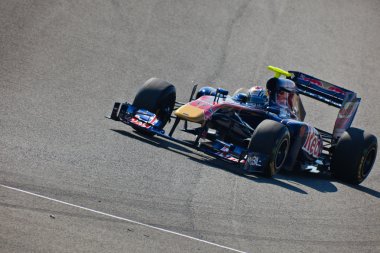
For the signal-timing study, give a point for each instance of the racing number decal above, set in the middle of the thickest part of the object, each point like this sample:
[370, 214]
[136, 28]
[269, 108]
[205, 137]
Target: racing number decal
[313, 143]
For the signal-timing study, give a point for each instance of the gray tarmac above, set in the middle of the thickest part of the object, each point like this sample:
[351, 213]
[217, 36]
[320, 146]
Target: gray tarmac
[64, 63]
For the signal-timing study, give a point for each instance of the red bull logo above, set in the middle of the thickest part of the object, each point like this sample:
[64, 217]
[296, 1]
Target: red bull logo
[313, 143]
[322, 84]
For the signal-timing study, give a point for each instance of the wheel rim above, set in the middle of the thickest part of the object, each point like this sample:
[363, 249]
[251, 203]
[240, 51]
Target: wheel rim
[281, 154]
[369, 161]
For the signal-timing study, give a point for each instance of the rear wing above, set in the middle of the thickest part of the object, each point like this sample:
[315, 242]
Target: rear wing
[330, 94]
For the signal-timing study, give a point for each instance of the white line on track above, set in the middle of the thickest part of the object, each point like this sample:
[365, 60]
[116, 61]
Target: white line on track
[121, 218]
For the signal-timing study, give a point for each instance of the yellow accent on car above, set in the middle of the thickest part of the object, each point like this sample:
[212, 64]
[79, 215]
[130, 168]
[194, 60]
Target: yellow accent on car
[278, 72]
[190, 113]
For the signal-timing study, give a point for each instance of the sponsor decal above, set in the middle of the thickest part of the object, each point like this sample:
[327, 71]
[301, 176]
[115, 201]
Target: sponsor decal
[236, 160]
[313, 143]
[225, 149]
[347, 110]
[322, 84]
[139, 123]
[224, 153]
[345, 117]
[153, 121]
[254, 161]
[311, 80]
[145, 119]
[337, 90]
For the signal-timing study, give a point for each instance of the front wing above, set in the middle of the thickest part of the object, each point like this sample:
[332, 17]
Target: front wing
[147, 122]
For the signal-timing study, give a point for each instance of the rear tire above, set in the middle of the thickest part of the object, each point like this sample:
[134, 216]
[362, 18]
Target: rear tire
[354, 156]
[273, 139]
[157, 96]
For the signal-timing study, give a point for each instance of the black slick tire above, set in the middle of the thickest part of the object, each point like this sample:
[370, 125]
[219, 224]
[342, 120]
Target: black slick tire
[157, 96]
[354, 156]
[272, 139]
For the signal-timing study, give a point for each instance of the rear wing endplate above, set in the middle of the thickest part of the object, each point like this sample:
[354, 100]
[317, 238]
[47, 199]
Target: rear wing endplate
[330, 94]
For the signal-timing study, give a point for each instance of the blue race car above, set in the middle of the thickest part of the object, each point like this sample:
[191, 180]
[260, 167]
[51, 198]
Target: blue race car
[261, 130]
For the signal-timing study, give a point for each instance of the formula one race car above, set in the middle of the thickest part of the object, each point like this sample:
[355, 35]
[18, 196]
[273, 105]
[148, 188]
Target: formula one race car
[261, 130]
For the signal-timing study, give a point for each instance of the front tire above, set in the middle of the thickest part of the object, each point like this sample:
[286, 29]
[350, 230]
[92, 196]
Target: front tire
[354, 156]
[271, 138]
[157, 96]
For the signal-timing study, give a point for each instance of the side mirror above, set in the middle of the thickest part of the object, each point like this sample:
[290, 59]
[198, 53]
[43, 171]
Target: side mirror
[222, 91]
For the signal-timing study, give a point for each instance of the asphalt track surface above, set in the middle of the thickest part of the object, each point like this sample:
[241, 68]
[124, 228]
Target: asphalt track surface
[104, 188]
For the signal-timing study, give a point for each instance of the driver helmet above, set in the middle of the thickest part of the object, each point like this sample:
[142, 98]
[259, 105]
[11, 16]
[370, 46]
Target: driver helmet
[257, 95]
